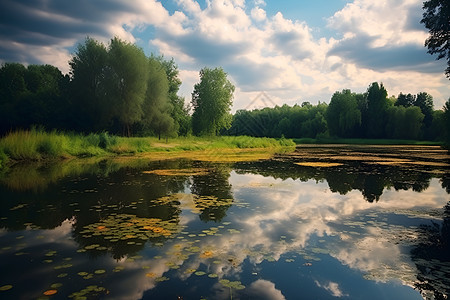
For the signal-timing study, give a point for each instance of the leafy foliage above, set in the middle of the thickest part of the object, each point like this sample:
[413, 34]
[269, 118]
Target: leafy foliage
[343, 115]
[436, 18]
[212, 99]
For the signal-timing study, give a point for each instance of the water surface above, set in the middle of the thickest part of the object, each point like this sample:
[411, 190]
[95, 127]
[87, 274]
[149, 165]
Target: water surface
[365, 223]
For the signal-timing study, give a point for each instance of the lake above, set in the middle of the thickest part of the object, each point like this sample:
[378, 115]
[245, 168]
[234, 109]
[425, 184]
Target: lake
[323, 222]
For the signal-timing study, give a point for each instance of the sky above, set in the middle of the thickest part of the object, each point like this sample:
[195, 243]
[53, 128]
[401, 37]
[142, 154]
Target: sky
[284, 51]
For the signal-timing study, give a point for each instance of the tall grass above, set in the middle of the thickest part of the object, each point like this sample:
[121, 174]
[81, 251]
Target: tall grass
[37, 144]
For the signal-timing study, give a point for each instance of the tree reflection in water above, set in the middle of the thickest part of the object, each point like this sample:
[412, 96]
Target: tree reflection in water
[432, 258]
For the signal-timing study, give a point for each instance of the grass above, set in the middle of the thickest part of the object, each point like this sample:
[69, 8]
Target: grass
[364, 141]
[36, 145]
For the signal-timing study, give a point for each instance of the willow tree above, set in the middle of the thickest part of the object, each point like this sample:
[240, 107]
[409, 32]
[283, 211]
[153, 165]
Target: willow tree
[212, 99]
[157, 106]
[127, 80]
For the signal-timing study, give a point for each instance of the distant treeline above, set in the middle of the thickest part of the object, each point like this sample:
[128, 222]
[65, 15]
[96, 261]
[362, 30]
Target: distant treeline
[116, 88]
[350, 115]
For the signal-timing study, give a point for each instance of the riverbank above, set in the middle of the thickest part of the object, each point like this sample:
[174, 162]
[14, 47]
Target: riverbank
[37, 145]
[322, 141]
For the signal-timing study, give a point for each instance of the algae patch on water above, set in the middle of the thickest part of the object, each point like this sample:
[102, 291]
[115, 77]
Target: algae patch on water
[129, 227]
[179, 172]
[317, 164]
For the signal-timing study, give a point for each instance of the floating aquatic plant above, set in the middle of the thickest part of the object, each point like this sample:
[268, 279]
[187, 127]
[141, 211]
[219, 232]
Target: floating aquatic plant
[179, 172]
[129, 228]
[6, 287]
[50, 292]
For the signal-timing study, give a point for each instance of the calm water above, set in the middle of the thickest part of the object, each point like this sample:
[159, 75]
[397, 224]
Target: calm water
[369, 226]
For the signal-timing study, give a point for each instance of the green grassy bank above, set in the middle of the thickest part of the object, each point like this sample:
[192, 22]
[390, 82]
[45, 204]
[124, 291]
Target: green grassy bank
[365, 142]
[34, 145]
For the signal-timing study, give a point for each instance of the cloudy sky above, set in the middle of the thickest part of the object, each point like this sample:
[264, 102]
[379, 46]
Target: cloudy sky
[293, 50]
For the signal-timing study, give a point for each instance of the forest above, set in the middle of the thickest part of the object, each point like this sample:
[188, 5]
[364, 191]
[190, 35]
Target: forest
[116, 88]
[371, 115]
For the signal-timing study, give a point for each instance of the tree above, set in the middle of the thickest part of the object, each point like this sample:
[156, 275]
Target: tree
[12, 90]
[43, 104]
[88, 86]
[425, 102]
[179, 111]
[127, 82]
[32, 96]
[377, 105]
[156, 107]
[436, 18]
[405, 100]
[212, 99]
[343, 115]
[447, 121]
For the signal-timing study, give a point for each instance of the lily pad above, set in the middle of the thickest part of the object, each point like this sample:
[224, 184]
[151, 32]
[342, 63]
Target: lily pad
[199, 273]
[6, 287]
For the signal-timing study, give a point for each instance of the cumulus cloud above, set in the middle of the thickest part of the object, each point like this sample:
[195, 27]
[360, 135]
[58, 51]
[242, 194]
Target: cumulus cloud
[375, 37]
[331, 287]
[261, 50]
[264, 290]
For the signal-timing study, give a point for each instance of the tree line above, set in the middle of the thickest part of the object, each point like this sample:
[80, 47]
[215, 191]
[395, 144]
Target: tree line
[118, 89]
[114, 88]
[351, 115]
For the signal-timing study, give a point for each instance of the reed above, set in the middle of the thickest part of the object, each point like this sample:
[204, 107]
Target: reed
[37, 144]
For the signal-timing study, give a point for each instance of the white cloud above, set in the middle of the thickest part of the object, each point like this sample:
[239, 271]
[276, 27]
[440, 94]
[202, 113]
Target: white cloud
[332, 287]
[261, 52]
[264, 290]
[258, 14]
[380, 20]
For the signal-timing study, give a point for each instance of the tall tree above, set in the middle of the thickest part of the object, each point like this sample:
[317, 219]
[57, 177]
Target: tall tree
[436, 18]
[12, 90]
[343, 115]
[92, 109]
[157, 106]
[405, 100]
[377, 105]
[212, 99]
[44, 103]
[404, 122]
[447, 121]
[179, 111]
[127, 82]
[425, 102]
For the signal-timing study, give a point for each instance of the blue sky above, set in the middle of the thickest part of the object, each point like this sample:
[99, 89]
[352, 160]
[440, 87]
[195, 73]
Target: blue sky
[294, 51]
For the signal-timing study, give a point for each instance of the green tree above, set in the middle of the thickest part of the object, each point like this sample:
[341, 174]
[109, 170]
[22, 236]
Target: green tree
[157, 106]
[179, 112]
[32, 96]
[127, 82]
[44, 103]
[447, 121]
[377, 105]
[437, 129]
[212, 99]
[425, 102]
[436, 18]
[405, 100]
[88, 87]
[404, 122]
[12, 90]
[343, 115]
